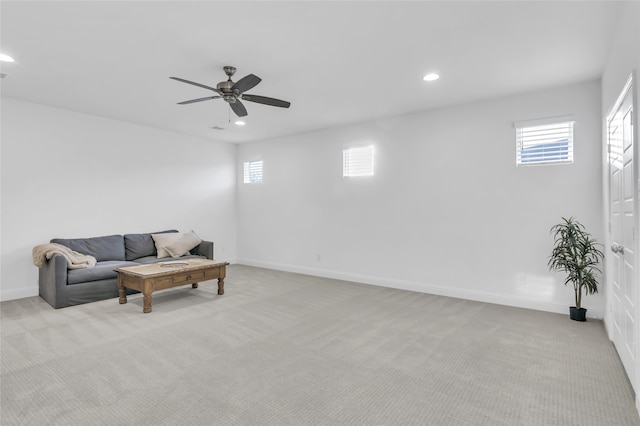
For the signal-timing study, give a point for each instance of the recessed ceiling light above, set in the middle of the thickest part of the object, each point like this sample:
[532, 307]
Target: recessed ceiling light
[240, 123]
[6, 58]
[431, 77]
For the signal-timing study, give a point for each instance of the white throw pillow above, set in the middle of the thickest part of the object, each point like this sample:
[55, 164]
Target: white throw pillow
[161, 241]
[175, 244]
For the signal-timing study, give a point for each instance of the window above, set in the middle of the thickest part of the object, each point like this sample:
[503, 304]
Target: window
[253, 172]
[358, 161]
[547, 141]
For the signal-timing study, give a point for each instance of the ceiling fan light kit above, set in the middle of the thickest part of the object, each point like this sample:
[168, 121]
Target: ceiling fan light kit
[233, 92]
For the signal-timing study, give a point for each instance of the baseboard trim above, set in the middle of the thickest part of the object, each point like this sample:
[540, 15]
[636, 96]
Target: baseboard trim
[458, 293]
[18, 294]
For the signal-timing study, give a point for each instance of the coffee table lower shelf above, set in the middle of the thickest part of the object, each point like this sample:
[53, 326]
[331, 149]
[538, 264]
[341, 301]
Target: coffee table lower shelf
[159, 276]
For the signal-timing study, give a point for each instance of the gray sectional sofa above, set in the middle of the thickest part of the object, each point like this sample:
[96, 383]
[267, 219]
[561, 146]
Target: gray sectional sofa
[62, 287]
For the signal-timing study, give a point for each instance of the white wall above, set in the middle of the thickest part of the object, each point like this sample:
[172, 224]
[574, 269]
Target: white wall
[66, 174]
[624, 55]
[447, 211]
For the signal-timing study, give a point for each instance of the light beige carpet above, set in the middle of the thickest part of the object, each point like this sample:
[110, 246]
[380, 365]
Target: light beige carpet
[287, 349]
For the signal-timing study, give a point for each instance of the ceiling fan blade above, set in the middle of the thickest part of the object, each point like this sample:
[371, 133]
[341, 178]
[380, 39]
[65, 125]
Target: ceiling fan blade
[247, 82]
[195, 84]
[198, 100]
[238, 108]
[266, 101]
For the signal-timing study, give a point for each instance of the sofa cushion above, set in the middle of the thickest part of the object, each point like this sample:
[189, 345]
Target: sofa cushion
[110, 247]
[102, 271]
[141, 245]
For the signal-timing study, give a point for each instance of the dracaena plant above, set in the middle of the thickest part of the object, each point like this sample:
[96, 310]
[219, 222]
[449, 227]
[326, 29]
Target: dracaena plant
[576, 253]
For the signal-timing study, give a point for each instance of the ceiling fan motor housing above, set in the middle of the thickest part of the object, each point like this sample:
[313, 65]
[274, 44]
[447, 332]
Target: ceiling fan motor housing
[226, 87]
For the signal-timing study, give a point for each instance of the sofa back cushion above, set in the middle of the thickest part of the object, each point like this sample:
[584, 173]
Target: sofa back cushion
[141, 245]
[110, 247]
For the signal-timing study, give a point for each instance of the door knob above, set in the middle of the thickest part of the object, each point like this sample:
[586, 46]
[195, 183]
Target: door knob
[617, 248]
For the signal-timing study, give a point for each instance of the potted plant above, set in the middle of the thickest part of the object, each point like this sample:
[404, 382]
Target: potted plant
[576, 253]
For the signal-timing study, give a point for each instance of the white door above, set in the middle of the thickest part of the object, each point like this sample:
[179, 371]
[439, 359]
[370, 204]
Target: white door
[621, 254]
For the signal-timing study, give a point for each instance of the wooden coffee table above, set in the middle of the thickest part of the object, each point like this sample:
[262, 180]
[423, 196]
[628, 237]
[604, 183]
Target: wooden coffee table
[172, 273]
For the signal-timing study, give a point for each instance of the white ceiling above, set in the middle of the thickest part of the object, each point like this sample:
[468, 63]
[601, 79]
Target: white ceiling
[336, 62]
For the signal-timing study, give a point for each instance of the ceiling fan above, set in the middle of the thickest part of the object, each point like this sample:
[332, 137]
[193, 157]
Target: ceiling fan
[232, 92]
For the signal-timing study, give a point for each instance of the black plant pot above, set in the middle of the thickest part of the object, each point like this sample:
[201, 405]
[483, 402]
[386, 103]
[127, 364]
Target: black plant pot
[578, 314]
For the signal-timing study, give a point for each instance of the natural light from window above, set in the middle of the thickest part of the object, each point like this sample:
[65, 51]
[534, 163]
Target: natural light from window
[539, 142]
[253, 172]
[358, 161]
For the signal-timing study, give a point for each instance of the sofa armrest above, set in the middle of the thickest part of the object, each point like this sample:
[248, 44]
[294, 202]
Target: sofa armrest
[52, 280]
[204, 249]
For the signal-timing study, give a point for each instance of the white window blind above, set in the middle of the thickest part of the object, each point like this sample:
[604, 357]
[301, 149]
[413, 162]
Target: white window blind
[357, 161]
[253, 172]
[547, 141]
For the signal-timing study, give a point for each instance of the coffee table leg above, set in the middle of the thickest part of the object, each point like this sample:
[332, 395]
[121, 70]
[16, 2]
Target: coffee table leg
[220, 285]
[147, 303]
[122, 295]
